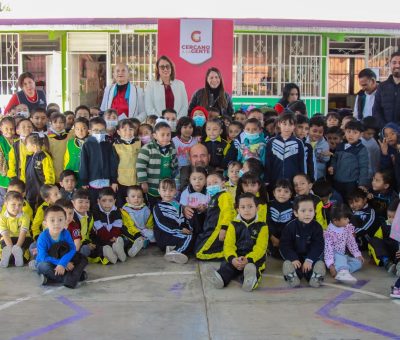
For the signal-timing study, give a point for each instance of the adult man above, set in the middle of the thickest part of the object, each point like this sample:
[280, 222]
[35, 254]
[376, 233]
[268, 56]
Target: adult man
[387, 98]
[366, 96]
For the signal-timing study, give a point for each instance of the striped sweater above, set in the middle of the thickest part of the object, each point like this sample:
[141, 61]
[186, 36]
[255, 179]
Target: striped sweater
[148, 165]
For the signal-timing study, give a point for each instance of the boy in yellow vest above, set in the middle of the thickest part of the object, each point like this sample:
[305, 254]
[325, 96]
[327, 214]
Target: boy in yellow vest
[57, 142]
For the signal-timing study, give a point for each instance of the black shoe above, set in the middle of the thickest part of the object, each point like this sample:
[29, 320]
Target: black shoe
[84, 276]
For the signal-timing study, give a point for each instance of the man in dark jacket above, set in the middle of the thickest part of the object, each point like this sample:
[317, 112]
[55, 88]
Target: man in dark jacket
[387, 99]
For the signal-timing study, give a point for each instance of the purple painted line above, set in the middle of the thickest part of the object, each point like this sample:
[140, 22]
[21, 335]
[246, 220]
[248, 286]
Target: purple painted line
[325, 312]
[81, 313]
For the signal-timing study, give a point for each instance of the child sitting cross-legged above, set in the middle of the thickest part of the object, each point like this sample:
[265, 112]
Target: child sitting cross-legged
[57, 259]
[245, 246]
[338, 237]
[302, 245]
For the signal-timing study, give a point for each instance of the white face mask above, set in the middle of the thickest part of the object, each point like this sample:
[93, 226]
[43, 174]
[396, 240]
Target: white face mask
[24, 114]
[127, 140]
[172, 124]
[100, 137]
[111, 123]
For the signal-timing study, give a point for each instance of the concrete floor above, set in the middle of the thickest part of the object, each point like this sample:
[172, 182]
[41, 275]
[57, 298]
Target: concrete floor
[148, 298]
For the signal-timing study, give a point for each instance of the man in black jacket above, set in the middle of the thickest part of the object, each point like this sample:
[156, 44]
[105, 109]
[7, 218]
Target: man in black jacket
[366, 96]
[386, 108]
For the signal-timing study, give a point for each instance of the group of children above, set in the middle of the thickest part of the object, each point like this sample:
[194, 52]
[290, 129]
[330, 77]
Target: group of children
[86, 187]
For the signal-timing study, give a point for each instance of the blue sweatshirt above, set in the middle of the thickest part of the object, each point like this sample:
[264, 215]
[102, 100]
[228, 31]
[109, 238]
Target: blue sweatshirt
[45, 242]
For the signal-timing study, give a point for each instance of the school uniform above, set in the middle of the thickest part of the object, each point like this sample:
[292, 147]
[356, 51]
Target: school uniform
[72, 157]
[58, 145]
[366, 225]
[140, 218]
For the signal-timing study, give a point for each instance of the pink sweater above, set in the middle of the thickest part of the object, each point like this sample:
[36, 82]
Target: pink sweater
[336, 241]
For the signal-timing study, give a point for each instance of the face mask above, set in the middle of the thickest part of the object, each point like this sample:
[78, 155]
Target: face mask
[241, 173]
[23, 114]
[111, 123]
[127, 140]
[251, 137]
[199, 120]
[172, 124]
[213, 190]
[100, 137]
[145, 139]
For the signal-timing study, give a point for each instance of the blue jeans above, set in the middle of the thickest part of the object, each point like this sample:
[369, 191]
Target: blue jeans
[347, 262]
[47, 269]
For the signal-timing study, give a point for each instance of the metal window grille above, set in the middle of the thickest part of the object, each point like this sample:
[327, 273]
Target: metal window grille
[8, 63]
[264, 63]
[138, 51]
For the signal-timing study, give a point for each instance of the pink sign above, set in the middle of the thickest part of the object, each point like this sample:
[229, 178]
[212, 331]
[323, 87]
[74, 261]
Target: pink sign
[213, 39]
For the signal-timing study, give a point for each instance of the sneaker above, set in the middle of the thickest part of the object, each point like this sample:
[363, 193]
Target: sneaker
[319, 271]
[84, 276]
[32, 265]
[215, 278]
[395, 293]
[175, 256]
[345, 276]
[5, 257]
[118, 248]
[42, 280]
[136, 247]
[391, 268]
[110, 255]
[249, 277]
[18, 255]
[289, 272]
[398, 269]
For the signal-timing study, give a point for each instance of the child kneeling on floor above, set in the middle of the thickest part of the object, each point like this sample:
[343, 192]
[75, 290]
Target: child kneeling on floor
[302, 245]
[171, 230]
[57, 259]
[338, 237]
[245, 247]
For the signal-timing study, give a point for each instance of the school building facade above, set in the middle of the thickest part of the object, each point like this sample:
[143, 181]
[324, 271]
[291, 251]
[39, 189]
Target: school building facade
[72, 59]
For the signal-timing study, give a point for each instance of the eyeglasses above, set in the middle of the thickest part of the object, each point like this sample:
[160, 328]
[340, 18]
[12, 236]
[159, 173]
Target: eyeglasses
[164, 67]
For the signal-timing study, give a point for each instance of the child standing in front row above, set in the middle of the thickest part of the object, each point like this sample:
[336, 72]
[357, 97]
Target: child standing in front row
[302, 245]
[338, 237]
[172, 231]
[245, 246]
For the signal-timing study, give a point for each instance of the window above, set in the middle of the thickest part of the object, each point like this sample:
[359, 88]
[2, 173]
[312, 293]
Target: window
[8, 63]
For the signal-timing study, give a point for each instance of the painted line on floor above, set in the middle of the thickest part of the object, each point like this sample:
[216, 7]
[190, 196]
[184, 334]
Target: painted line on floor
[325, 312]
[80, 313]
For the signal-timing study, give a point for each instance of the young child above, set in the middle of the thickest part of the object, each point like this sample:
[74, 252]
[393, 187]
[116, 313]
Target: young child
[7, 128]
[145, 133]
[156, 161]
[302, 245]
[136, 212]
[69, 120]
[251, 182]
[98, 168]
[184, 140]
[338, 237]
[111, 118]
[199, 114]
[252, 165]
[67, 184]
[151, 120]
[332, 119]
[245, 247]
[279, 213]
[107, 228]
[319, 144]
[57, 141]
[72, 156]
[240, 116]
[323, 189]
[126, 148]
[216, 146]
[57, 259]
[172, 231]
[220, 212]
[14, 230]
[19, 186]
[171, 117]
[18, 152]
[388, 144]
[350, 162]
[364, 217]
[234, 130]
[82, 215]
[301, 132]
[382, 193]
[38, 169]
[345, 120]
[233, 178]
[285, 155]
[371, 129]
[334, 136]
[194, 198]
[302, 186]
[383, 249]
[39, 120]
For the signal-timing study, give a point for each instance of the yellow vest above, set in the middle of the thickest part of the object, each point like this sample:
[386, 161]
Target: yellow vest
[127, 155]
[57, 150]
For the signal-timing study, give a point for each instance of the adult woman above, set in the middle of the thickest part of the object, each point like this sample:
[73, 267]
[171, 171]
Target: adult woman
[124, 96]
[213, 94]
[28, 95]
[291, 100]
[165, 92]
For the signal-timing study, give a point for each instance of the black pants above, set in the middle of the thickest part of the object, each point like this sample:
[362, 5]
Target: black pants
[345, 188]
[152, 201]
[228, 272]
[121, 195]
[306, 275]
[385, 248]
[183, 243]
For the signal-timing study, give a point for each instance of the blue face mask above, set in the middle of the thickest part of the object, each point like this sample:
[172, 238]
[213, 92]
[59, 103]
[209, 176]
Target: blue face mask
[199, 120]
[251, 137]
[213, 190]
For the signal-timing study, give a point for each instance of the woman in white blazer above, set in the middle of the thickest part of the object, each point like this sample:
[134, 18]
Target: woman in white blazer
[165, 92]
[124, 96]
